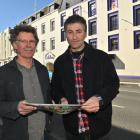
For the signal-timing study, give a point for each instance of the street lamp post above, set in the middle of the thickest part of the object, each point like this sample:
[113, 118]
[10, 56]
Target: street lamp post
[35, 5]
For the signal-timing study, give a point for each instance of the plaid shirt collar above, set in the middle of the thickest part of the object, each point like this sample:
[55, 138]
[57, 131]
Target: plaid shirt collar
[82, 117]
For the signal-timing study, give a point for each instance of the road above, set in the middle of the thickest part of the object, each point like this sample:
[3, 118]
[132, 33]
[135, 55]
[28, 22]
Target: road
[125, 119]
[126, 114]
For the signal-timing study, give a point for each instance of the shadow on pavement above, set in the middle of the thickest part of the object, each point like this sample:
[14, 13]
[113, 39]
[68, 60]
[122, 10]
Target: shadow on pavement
[116, 133]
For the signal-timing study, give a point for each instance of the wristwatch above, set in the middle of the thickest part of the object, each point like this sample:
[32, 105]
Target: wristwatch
[100, 100]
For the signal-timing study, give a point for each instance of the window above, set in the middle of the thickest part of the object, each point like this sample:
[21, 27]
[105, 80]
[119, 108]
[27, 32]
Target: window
[52, 25]
[51, 8]
[92, 27]
[41, 13]
[113, 21]
[113, 42]
[91, 8]
[67, 5]
[32, 18]
[38, 15]
[63, 35]
[136, 18]
[52, 44]
[135, 0]
[112, 4]
[93, 42]
[43, 45]
[137, 39]
[63, 18]
[76, 10]
[26, 21]
[43, 28]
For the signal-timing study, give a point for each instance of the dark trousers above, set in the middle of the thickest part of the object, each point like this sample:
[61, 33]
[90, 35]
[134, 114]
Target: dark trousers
[84, 136]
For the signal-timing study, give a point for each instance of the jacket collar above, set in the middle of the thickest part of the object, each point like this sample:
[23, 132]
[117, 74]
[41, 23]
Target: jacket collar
[13, 63]
[87, 52]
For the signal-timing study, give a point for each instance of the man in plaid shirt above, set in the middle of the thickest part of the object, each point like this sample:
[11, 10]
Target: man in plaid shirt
[86, 76]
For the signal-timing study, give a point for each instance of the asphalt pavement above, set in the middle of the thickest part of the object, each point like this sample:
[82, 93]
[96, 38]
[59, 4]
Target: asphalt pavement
[130, 80]
[116, 133]
[126, 126]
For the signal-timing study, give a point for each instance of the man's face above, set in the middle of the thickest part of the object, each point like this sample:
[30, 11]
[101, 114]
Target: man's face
[25, 45]
[75, 33]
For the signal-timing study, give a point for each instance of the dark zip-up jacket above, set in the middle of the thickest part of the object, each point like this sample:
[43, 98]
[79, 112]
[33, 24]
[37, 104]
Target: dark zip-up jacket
[15, 126]
[99, 78]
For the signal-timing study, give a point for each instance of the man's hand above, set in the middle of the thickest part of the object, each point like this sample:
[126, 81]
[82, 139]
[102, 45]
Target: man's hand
[24, 109]
[91, 105]
[64, 101]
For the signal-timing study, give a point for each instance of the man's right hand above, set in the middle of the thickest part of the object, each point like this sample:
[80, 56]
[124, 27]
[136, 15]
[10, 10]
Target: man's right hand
[25, 109]
[63, 100]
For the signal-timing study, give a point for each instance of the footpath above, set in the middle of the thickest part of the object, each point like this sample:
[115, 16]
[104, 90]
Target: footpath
[58, 128]
[130, 81]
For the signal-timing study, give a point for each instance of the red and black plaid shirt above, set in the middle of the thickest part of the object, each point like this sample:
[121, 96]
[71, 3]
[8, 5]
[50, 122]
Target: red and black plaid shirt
[83, 119]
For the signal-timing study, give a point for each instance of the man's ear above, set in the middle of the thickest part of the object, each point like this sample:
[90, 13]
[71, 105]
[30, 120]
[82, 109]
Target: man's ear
[14, 46]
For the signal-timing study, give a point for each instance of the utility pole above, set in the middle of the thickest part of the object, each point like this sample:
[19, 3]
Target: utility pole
[35, 5]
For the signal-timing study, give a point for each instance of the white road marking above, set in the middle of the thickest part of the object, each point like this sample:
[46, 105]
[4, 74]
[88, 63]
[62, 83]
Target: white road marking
[129, 90]
[118, 106]
[130, 83]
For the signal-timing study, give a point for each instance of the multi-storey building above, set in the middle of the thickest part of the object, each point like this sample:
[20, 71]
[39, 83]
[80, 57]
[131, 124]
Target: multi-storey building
[113, 26]
[5, 47]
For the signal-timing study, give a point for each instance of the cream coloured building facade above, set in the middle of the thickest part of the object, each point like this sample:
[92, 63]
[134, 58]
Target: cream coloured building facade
[5, 47]
[113, 26]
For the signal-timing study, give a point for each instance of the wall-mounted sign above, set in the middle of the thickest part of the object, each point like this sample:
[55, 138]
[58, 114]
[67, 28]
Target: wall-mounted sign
[49, 56]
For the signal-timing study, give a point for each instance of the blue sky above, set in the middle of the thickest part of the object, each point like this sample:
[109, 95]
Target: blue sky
[13, 11]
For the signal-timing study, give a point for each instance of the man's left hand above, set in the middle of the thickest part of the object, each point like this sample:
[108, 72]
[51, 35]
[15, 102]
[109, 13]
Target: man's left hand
[91, 105]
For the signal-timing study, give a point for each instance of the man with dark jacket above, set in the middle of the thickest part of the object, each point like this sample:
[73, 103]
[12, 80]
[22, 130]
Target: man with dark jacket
[86, 76]
[23, 80]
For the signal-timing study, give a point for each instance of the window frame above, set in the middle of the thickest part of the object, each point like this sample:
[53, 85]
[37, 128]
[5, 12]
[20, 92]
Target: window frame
[93, 41]
[110, 38]
[63, 35]
[109, 5]
[111, 23]
[43, 28]
[52, 43]
[52, 24]
[90, 3]
[136, 34]
[43, 45]
[63, 18]
[136, 22]
[91, 30]
[77, 10]
[135, 0]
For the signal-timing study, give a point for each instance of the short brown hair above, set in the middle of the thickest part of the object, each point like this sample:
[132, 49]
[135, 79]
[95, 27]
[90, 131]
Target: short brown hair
[75, 19]
[22, 28]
